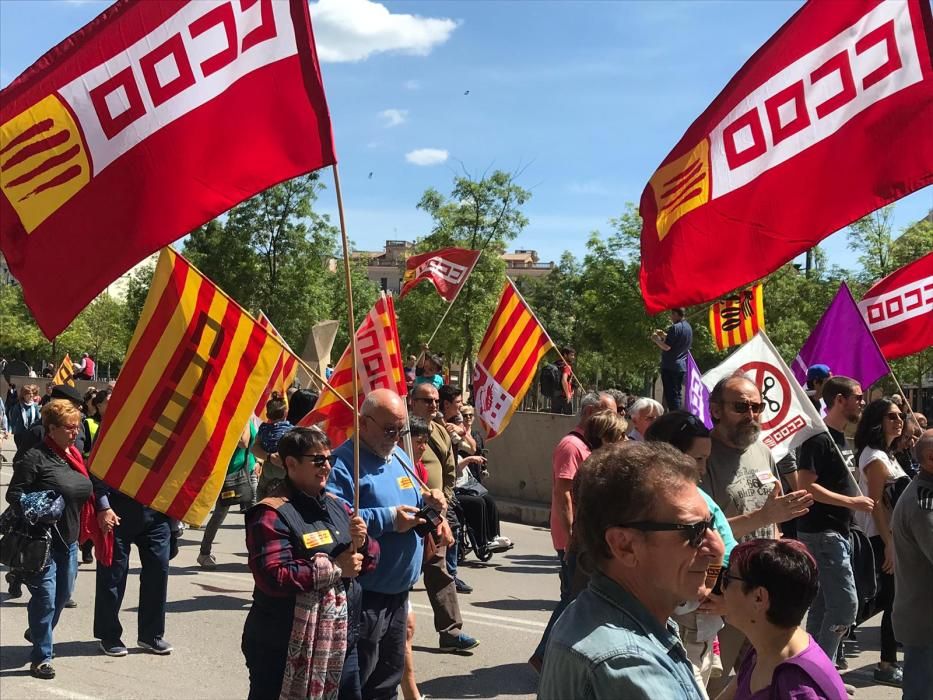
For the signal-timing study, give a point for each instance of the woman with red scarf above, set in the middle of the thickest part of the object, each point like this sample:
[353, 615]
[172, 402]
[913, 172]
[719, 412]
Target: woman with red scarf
[56, 465]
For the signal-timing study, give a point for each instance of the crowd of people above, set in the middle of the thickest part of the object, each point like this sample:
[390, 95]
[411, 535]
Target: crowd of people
[679, 577]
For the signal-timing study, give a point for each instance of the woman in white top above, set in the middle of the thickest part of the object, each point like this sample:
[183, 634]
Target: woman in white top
[880, 426]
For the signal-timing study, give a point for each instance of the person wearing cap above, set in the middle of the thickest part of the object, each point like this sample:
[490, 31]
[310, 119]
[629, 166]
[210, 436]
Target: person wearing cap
[816, 378]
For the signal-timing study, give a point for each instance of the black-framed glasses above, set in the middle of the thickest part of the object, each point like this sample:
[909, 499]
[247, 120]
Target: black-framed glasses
[745, 406]
[393, 433]
[727, 577]
[321, 460]
[695, 532]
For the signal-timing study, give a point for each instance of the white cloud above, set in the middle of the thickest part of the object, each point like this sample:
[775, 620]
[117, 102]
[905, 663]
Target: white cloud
[588, 187]
[394, 117]
[412, 85]
[352, 30]
[426, 156]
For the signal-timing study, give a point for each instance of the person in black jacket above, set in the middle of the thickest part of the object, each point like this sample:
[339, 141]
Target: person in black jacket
[53, 465]
[305, 551]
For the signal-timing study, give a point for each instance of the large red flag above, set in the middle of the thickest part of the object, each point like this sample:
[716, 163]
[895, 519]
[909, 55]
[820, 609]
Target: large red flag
[899, 309]
[828, 121]
[447, 269]
[152, 119]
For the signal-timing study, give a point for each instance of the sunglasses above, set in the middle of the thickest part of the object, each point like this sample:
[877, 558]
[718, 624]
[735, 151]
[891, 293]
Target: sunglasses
[419, 398]
[895, 416]
[321, 460]
[393, 433]
[745, 406]
[694, 532]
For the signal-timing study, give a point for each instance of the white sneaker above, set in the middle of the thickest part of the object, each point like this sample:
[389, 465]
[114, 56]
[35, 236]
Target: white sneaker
[207, 561]
[504, 541]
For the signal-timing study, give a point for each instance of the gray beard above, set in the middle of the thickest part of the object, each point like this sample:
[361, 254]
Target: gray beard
[744, 436]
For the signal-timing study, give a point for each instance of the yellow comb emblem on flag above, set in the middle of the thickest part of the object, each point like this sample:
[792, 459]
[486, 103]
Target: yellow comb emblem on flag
[43, 162]
[681, 186]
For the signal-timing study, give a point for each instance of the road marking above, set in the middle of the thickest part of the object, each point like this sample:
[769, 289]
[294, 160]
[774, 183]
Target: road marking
[70, 694]
[475, 617]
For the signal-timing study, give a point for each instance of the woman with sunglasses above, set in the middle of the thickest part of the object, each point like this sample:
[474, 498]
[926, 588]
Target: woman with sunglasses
[768, 587]
[305, 552]
[698, 629]
[881, 424]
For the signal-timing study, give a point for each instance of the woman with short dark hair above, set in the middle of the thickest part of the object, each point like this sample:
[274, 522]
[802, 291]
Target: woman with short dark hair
[768, 587]
[305, 552]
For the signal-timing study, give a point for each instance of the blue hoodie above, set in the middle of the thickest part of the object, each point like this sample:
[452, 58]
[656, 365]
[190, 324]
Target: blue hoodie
[384, 484]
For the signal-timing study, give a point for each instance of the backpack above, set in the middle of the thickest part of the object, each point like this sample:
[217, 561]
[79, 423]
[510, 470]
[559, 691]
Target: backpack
[550, 380]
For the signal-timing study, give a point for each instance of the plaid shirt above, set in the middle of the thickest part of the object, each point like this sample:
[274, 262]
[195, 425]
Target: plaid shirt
[276, 570]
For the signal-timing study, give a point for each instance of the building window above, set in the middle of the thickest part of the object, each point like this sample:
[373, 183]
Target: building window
[384, 283]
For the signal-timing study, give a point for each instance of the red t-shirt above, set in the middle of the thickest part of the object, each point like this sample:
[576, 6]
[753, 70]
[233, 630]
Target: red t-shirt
[568, 456]
[421, 471]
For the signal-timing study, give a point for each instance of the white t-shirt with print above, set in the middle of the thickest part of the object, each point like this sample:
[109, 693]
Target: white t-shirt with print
[865, 520]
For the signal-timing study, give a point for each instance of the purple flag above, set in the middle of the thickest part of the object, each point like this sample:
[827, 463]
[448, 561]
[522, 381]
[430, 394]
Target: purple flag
[842, 340]
[697, 395]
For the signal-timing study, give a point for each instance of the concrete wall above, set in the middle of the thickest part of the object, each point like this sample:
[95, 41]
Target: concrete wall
[520, 458]
[80, 384]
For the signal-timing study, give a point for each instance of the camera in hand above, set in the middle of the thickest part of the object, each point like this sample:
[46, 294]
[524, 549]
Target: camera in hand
[433, 518]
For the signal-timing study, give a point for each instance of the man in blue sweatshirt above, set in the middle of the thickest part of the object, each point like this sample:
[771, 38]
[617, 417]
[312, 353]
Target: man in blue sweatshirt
[389, 501]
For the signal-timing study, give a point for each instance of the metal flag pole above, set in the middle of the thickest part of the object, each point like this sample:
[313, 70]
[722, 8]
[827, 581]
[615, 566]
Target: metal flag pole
[353, 357]
[453, 301]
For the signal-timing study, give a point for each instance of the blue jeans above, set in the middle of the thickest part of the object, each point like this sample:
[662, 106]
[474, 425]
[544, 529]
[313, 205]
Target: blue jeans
[918, 672]
[452, 554]
[50, 588]
[836, 603]
[568, 567]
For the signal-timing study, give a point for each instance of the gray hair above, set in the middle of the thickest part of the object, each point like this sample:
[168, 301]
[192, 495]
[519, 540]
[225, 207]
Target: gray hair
[645, 404]
[369, 405]
[590, 401]
[924, 445]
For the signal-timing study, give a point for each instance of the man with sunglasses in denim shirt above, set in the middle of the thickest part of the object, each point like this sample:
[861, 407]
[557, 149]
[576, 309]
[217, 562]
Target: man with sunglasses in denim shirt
[647, 532]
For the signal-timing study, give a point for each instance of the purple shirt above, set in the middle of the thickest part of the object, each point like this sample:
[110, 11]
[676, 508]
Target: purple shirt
[792, 681]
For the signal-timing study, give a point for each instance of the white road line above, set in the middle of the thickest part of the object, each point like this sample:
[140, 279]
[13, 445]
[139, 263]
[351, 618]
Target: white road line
[477, 617]
[69, 694]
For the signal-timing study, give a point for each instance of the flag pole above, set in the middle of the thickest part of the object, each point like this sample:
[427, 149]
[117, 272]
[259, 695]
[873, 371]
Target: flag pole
[452, 301]
[353, 357]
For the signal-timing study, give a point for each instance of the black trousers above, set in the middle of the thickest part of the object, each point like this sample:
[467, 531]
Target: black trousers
[884, 602]
[151, 533]
[673, 382]
[381, 646]
[481, 515]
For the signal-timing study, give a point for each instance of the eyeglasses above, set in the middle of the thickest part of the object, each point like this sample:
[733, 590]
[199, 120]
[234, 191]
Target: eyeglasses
[895, 416]
[320, 460]
[392, 433]
[727, 577]
[745, 406]
[419, 398]
[694, 532]
[69, 428]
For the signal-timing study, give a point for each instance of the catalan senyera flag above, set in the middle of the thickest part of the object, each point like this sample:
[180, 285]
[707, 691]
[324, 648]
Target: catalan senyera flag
[286, 367]
[447, 269]
[66, 372]
[508, 358]
[379, 366]
[155, 117]
[192, 376]
[737, 318]
[826, 122]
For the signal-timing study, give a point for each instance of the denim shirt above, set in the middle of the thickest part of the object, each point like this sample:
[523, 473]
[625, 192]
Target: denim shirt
[607, 645]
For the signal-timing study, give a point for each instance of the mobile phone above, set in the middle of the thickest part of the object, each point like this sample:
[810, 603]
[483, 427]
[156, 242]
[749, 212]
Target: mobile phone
[433, 518]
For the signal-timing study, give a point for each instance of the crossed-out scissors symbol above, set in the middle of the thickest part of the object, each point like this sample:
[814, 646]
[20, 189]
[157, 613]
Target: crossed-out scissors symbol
[767, 385]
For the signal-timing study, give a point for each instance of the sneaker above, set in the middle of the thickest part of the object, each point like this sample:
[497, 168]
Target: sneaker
[16, 586]
[156, 646]
[505, 541]
[113, 647]
[207, 561]
[891, 675]
[460, 642]
[43, 671]
[462, 586]
[70, 603]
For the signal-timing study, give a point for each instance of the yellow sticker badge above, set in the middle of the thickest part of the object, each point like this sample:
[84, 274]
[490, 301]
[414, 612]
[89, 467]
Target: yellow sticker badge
[317, 539]
[404, 482]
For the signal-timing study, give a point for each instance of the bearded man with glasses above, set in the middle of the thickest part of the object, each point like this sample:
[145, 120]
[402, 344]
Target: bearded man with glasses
[741, 476]
[647, 534]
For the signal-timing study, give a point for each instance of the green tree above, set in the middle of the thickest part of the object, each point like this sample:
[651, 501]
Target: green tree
[20, 337]
[137, 289]
[365, 293]
[481, 214]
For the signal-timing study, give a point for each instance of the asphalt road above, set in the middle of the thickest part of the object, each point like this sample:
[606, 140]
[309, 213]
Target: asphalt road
[206, 609]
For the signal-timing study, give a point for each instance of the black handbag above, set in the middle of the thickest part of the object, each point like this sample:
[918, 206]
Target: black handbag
[25, 548]
[237, 489]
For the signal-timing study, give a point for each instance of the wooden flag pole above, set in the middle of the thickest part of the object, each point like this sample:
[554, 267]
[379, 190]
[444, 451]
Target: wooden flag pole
[353, 355]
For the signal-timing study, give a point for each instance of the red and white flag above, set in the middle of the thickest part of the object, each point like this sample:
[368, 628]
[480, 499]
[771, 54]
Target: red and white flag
[829, 120]
[899, 309]
[447, 269]
[152, 119]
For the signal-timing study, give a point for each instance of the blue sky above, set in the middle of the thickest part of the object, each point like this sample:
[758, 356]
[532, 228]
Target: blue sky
[586, 98]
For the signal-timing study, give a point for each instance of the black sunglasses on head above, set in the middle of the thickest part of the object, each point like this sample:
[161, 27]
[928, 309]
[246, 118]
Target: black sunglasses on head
[695, 532]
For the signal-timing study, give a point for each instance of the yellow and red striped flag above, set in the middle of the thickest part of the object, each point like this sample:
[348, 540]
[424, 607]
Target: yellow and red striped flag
[195, 369]
[737, 318]
[380, 366]
[286, 367]
[507, 361]
[66, 372]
